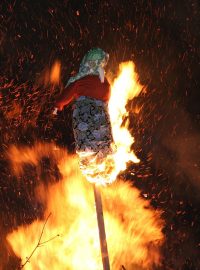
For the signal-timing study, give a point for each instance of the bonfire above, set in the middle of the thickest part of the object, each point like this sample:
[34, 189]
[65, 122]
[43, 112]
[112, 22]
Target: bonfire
[70, 237]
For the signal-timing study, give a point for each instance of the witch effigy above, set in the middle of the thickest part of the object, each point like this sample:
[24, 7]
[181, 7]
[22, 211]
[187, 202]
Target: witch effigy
[89, 91]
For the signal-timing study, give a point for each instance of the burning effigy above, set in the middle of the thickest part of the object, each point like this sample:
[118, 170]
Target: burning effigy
[89, 91]
[68, 238]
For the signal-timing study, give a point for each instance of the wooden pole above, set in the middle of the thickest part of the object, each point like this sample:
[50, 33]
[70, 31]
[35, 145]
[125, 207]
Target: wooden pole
[101, 227]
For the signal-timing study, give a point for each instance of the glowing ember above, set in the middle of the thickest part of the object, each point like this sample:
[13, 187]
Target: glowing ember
[133, 228]
[125, 87]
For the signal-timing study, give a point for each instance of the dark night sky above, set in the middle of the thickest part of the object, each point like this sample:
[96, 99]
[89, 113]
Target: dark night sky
[163, 39]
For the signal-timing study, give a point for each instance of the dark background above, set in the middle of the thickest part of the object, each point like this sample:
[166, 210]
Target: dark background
[163, 39]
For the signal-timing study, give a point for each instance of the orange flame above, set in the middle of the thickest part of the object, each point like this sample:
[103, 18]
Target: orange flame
[55, 73]
[133, 228]
[124, 88]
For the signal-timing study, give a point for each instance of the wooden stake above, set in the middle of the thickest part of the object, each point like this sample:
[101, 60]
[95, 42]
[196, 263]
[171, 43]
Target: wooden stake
[101, 227]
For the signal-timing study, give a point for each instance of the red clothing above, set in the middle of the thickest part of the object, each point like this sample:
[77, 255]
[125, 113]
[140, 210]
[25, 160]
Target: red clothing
[89, 86]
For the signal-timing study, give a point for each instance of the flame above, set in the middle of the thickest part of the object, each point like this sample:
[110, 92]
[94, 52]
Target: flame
[70, 237]
[55, 73]
[51, 75]
[124, 88]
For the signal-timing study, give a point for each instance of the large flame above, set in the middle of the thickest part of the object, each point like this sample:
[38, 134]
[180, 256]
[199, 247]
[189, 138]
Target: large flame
[133, 228]
[124, 88]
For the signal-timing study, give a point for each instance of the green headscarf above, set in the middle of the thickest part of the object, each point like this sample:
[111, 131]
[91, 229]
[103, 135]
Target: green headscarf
[93, 63]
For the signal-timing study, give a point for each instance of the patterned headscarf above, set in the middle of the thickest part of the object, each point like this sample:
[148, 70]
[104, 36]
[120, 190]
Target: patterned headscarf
[93, 63]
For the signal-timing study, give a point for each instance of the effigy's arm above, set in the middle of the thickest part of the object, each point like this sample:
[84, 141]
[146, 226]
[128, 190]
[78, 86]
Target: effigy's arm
[66, 97]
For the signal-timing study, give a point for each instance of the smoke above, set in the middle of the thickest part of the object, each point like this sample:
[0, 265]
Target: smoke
[177, 149]
[186, 150]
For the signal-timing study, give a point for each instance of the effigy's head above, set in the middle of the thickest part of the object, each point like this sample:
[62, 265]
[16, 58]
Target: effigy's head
[93, 60]
[93, 63]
